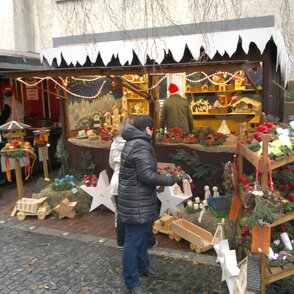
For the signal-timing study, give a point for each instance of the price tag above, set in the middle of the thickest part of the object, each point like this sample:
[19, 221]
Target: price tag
[74, 190]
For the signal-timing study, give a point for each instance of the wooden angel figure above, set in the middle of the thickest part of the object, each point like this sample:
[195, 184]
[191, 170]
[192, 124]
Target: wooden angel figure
[108, 119]
[215, 191]
[116, 117]
[207, 192]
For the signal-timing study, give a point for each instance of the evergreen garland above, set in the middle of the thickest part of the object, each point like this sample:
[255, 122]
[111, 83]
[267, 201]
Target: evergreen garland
[264, 211]
[62, 157]
[15, 153]
[64, 187]
[191, 163]
[88, 165]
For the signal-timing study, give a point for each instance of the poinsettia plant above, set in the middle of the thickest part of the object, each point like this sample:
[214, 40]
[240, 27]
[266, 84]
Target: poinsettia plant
[203, 136]
[246, 182]
[178, 171]
[108, 133]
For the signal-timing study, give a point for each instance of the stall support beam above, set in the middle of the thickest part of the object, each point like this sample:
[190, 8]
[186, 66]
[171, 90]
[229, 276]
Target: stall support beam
[19, 183]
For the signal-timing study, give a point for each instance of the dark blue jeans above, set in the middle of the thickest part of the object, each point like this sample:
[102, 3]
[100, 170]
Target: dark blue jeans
[135, 255]
[120, 234]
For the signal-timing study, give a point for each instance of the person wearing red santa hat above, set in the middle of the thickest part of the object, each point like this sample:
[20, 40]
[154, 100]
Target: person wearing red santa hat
[176, 111]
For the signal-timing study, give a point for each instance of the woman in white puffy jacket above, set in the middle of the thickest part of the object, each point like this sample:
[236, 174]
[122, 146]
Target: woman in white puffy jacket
[114, 162]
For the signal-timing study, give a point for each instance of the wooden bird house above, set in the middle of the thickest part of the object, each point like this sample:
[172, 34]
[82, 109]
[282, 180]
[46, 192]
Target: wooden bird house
[14, 131]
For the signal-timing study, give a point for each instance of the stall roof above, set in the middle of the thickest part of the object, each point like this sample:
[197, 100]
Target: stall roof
[16, 60]
[156, 48]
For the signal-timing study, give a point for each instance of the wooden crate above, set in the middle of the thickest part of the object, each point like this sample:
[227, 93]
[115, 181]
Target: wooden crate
[192, 233]
[29, 204]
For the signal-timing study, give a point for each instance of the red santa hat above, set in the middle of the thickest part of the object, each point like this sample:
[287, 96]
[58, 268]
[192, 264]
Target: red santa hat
[172, 88]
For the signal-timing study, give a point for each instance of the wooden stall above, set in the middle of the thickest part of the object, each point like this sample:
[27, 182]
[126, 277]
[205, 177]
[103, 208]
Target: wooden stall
[139, 93]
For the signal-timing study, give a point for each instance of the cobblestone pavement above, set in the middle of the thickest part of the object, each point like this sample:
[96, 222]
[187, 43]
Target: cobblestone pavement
[36, 260]
[39, 263]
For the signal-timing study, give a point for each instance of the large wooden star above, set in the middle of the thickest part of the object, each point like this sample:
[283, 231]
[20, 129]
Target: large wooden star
[100, 193]
[228, 261]
[169, 200]
[66, 209]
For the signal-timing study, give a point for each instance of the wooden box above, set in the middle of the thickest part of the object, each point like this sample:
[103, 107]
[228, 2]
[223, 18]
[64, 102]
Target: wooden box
[192, 233]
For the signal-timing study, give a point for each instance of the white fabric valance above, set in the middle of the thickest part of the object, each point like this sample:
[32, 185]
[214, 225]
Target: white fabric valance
[156, 48]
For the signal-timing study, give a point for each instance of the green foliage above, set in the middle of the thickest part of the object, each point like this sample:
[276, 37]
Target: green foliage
[288, 259]
[288, 207]
[264, 211]
[88, 164]
[283, 177]
[218, 214]
[289, 95]
[14, 154]
[191, 163]
[271, 118]
[62, 157]
[254, 147]
[64, 187]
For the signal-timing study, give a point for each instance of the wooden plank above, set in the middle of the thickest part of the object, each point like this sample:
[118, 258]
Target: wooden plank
[277, 163]
[19, 182]
[288, 266]
[274, 270]
[287, 217]
[248, 154]
[262, 273]
[280, 275]
[264, 167]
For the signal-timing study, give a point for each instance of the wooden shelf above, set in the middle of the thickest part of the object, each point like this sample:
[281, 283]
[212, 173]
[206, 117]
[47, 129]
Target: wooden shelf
[248, 154]
[287, 217]
[216, 91]
[227, 114]
[252, 157]
[272, 274]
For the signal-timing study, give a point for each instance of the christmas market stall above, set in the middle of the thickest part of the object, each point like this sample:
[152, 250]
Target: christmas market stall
[228, 81]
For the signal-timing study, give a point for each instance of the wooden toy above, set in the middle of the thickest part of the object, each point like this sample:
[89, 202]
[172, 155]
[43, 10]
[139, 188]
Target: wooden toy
[201, 240]
[164, 225]
[30, 206]
[66, 209]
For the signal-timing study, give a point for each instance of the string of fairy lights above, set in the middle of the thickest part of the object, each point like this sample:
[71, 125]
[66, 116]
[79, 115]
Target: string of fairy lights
[64, 82]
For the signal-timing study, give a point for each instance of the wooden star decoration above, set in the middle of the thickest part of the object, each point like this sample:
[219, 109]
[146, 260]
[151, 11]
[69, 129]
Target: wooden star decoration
[220, 248]
[228, 261]
[100, 193]
[170, 200]
[65, 209]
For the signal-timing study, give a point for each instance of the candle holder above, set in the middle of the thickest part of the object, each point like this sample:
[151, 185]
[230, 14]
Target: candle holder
[15, 149]
[41, 137]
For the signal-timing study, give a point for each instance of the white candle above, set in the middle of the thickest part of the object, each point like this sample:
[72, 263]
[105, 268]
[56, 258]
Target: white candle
[201, 206]
[189, 203]
[196, 206]
[204, 202]
[197, 200]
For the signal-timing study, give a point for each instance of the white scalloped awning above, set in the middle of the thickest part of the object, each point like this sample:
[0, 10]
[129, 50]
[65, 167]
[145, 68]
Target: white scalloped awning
[156, 48]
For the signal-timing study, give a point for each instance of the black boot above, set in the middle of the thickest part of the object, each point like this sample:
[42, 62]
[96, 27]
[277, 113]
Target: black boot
[150, 272]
